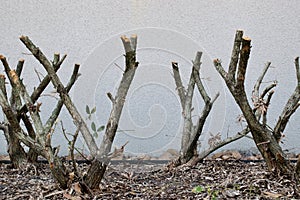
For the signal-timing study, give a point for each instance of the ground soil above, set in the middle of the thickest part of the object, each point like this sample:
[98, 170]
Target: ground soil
[212, 179]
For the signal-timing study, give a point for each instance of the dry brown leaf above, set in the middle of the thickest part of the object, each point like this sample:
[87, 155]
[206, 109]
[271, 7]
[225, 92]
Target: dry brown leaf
[272, 194]
[77, 188]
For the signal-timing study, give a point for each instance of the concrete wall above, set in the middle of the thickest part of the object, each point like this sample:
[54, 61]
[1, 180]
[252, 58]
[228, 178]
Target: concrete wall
[168, 31]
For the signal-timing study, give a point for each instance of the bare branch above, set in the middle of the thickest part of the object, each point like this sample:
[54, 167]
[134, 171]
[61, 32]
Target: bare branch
[133, 42]
[2, 85]
[20, 67]
[269, 98]
[126, 43]
[117, 152]
[220, 144]
[235, 55]
[255, 92]
[187, 109]
[297, 70]
[7, 69]
[243, 62]
[179, 87]
[56, 111]
[202, 91]
[290, 107]
[220, 69]
[267, 89]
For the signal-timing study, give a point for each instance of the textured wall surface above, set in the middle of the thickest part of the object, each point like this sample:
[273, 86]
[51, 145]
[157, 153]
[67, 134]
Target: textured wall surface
[168, 31]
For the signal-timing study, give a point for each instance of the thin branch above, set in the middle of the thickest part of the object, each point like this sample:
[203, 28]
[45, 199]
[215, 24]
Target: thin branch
[7, 70]
[220, 144]
[60, 103]
[117, 152]
[267, 89]
[69, 141]
[201, 121]
[202, 91]
[255, 92]
[269, 98]
[71, 146]
[39, 75]
[179, 87]
[220, 69]
[290, 107]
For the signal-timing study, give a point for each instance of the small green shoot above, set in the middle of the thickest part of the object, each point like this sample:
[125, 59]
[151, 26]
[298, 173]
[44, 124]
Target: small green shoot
[198, 189]
[94, 128]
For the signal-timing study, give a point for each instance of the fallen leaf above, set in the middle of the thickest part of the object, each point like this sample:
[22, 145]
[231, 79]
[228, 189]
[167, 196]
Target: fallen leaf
[77, 188]
[272, 195]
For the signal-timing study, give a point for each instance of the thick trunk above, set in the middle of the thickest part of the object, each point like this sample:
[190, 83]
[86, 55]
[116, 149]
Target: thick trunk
[95, 174]
[59, 172]
[271, 151]
[16, 152]
[57, 168]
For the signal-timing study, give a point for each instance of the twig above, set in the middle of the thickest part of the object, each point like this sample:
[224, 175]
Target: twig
[220, 144]
[38, 75]
[255, 92]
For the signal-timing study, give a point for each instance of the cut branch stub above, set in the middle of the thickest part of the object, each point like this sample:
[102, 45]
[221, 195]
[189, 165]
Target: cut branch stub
[235, 55]
[243, 62]
[178, 82]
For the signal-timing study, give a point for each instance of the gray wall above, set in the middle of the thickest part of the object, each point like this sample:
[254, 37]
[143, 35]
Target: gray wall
[168, 31]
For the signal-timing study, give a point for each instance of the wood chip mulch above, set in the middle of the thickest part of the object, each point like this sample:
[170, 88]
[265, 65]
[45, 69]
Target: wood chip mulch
[208, 180]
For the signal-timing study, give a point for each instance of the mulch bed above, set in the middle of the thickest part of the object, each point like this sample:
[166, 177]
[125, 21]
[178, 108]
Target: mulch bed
[211, 179]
